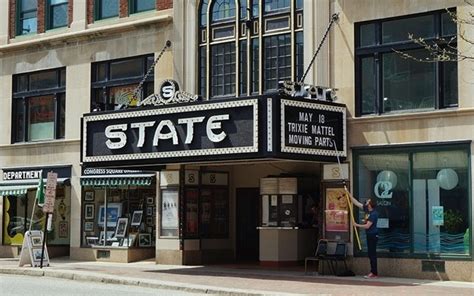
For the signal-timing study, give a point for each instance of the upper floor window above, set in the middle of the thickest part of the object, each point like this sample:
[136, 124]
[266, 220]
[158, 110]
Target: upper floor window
[114, 82]
[235, 58]
[141, 5]
[57, 13]
[394, 74]
[106, 9]
[27, 19]
[39, 106]
[223, 9]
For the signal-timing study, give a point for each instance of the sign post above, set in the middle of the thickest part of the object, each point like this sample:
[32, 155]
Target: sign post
[48, 208]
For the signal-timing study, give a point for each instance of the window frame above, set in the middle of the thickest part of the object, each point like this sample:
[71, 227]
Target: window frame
[19, 19]
[378, 49]
[49, 14]
[411, 149]
[98, 10]
[132, 4]
[252, 38]
[106, 84]
[57, 92]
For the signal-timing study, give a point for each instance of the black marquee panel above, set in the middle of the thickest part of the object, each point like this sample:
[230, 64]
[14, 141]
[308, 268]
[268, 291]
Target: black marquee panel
[261, 127]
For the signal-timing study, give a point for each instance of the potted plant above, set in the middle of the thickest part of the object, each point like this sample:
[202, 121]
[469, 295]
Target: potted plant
[452, 221]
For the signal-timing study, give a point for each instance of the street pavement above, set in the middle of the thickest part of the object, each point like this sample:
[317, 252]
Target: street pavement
[232, 279]
[16, 285]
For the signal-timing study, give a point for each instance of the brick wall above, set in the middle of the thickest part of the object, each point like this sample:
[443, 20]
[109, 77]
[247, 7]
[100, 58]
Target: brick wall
[69, 12]
[11, 20]
[164, 4]
[123, 8]
[90, 11]
[41, 16]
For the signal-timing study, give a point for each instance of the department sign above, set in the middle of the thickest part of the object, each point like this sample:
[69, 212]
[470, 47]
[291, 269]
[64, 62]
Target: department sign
[179, 132]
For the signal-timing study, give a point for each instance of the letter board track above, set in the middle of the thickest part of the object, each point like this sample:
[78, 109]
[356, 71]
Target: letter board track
[312, 128]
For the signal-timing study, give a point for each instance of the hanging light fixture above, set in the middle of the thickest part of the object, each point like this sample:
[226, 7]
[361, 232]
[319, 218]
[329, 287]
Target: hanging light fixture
[447, 179]
[388, 176]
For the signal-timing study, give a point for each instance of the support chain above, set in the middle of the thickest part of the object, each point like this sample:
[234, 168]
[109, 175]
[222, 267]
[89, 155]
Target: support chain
[334, 18]
[140, 85]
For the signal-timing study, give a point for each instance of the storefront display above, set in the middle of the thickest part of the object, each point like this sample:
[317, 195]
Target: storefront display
[422, 202]
[118, 208]
[20, 211]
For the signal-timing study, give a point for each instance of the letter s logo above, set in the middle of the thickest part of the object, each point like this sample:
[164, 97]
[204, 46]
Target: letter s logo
[382, 189]
[167, 91]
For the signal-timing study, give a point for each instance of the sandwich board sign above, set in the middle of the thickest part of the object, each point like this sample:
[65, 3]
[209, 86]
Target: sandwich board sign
[32, 249]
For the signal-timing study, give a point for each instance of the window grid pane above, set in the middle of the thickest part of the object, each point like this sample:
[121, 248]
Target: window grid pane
[243, 67]
[108, 8]
[58, 15]
[299, 55]
[143, 5]
[277, 60]
[408, 84]
[368, 89]
[272, 5]
[255, 65]
[202, 71]
[223, 9]
[223, 69]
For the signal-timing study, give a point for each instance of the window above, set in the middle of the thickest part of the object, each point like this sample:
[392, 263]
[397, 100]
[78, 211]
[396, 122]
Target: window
[387, 82]
[114, 82]
[235, 60]
[17, 211]
[106, 9]
[57, 13]
[422, 197]
[39, 106]
[27, 17]
[141, 5]
[130, 204]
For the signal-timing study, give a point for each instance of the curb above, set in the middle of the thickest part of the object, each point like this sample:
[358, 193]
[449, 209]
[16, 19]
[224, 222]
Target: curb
[154, 284]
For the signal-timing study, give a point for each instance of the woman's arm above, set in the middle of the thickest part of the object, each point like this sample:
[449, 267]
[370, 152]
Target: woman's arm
[364, 226]
[355, 201]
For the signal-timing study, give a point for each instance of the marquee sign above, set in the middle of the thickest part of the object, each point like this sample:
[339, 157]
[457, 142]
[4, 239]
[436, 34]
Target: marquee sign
[313, 129]
[262, 127]
[178, 132]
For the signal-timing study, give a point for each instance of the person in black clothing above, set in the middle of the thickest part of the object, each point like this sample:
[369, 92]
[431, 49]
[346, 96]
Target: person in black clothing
[371, 231]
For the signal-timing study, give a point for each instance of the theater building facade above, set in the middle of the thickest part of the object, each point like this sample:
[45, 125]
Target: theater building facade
[218, 147]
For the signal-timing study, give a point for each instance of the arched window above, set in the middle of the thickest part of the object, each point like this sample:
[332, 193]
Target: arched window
[223, 9]
[247, 46]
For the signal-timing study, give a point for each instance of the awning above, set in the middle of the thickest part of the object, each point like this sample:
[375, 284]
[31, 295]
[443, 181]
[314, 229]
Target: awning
[19, 187]
[118, 180]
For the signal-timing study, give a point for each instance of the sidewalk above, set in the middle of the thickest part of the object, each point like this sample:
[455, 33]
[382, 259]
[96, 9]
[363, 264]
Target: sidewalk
[238, 280]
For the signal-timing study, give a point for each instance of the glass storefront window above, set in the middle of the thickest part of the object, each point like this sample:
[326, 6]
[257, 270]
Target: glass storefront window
[422, 198]
[17, 217]
[131, 216]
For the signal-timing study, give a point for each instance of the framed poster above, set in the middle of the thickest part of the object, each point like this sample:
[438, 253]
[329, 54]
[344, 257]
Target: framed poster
[169, 212]
[144, 240]
[336, 224]
[89, 195]
[137, 218]
[114, 211]
[63, 229]
[121, 227]
[89, 211]
[191, 212]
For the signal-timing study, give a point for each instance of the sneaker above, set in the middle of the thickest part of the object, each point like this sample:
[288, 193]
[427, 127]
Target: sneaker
[370, 276]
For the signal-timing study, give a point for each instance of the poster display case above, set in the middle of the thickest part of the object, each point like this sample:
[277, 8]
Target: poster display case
[117, 217]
